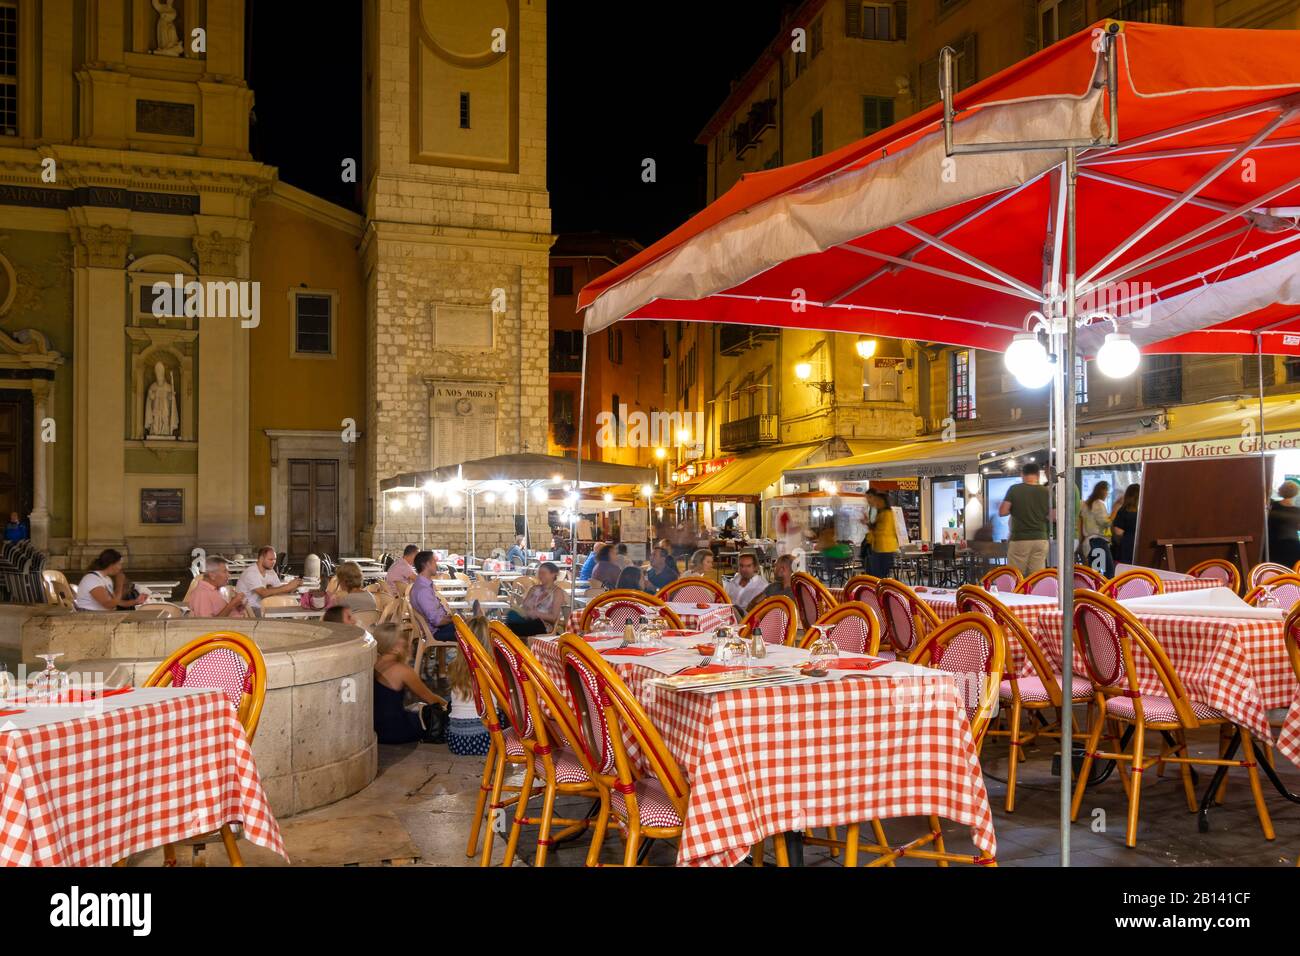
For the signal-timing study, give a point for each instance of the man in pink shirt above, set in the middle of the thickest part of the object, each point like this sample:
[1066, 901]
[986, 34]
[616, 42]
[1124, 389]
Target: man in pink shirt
[402, 570]
[206, 600]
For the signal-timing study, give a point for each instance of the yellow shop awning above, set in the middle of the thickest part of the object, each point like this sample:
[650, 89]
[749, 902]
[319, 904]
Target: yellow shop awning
[746, 478]
[922, 459]
[1210, 430]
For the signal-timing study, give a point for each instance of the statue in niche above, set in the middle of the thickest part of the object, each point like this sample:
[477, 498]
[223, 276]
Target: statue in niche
[161, 418]
[169, 40]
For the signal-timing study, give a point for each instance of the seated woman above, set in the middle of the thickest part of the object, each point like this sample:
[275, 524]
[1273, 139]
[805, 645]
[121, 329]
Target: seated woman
[606, 571]
[394, 722]
[466, 735]
[632, 578]
[105, 587]
[701, 565]
[351, 588]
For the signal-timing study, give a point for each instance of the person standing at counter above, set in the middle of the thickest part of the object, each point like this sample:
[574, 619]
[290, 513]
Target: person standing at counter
[1284, 526]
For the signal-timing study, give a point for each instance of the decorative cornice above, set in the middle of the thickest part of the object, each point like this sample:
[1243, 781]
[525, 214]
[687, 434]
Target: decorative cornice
[101, 247]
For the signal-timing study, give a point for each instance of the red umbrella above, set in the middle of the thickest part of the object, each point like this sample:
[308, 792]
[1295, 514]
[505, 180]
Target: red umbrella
[1131, 177]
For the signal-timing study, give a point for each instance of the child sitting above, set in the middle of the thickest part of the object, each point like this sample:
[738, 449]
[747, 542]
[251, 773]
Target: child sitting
[466, 734]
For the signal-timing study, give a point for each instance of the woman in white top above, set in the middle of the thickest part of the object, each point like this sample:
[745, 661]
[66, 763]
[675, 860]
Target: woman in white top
[104, 587]
[1094, 530]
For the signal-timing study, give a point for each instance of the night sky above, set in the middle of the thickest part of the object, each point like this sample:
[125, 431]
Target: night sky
[620, 91]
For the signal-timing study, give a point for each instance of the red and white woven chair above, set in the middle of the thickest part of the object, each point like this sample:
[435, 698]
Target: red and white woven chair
[1218, 569]
[1264, 572]
[1132, 584]
[647, 805]
[1113, 640]
[1045, 582]
[973, 648]
[859, 586]
[695, 590]
[1285, 589]
[233, 664]
[1088, 578]
[811, 597]
[1005, 577]
[773, 617]
[620, 607]
[490, 699]
[1036, 693]
[906, 618]
[852, 627]
[550, 735]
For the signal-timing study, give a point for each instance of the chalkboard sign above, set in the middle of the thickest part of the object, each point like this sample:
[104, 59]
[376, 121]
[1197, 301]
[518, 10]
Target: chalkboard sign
[162, 506]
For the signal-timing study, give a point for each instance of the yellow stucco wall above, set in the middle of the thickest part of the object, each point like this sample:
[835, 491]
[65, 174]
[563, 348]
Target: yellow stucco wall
[299, 241]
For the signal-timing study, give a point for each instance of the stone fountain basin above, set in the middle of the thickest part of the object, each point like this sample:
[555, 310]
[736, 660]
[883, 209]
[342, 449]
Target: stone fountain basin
[315, 743]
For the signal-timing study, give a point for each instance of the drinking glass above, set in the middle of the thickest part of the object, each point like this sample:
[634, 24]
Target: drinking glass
[6, 682]
[51, 681]
[822, 652]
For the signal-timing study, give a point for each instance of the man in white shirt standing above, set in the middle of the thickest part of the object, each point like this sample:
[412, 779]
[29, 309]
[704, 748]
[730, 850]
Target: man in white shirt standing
[259, 580]
[747, 583]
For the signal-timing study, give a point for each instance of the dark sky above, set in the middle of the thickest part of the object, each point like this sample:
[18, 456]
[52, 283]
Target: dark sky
[619, 90]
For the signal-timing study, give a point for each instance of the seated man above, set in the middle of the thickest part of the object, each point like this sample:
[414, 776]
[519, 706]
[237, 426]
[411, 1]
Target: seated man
[259, 580]
[517, 556]
[663, 569]
[425, 601]
[747, 584]
[782, 576]
[402, 570]
[206, 600]
[542, 607]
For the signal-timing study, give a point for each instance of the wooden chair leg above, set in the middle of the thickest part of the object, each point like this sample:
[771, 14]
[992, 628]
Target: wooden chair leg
[232, 845]
[489, 833]
[781, 851]
[1185, 771]
[598, 831]
[633, 845]
[521, 811]
[1135, 797]
[756, 853]
[1257, 792]
[851, 846]
[484, 788]
[881, 840]
[169, 855]
[544, 830]
[1094, 738]
[1225, 738]
[198, 855]
[833, 833]
[937, 829]
[1014, 758]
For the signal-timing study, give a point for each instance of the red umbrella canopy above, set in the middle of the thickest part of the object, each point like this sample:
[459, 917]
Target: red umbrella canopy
[1187, 230]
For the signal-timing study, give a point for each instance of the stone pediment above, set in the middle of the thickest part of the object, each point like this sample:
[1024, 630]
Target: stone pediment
[28, 348]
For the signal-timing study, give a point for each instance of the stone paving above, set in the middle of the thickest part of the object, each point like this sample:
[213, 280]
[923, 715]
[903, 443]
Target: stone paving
[424, 798]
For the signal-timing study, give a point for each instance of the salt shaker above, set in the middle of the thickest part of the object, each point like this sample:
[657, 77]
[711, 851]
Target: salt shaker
[757, 646]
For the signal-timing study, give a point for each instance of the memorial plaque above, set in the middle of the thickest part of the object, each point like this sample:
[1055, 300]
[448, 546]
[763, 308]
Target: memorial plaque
[164, 118]
[162, 506]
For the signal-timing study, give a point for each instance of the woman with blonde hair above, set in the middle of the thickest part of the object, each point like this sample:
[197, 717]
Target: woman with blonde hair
[466, 735]
[701, 565]
[351, 588]
[395, 722]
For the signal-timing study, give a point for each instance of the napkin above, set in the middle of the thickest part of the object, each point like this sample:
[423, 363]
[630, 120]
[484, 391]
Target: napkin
[635, 651]
[708, 669]
[856, 664]
[10, 713]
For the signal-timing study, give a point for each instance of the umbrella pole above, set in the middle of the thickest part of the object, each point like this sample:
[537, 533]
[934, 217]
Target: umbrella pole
[422, 500]
[1066, 497]
[1263, 457]
[573, 527]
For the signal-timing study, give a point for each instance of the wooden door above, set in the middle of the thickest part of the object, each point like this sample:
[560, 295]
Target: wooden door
[313, 507]
[15, 453]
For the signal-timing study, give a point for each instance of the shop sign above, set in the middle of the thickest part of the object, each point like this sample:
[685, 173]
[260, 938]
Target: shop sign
[1183, 451]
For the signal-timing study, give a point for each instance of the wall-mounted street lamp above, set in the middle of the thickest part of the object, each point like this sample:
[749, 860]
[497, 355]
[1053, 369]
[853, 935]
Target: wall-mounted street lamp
[803, 371]
[866, 347]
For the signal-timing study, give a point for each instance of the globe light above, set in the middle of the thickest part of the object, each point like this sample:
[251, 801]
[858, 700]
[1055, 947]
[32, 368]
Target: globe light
[647, 491]
[866, 347]
[395, 506]
[683, 435]
[557, 478]
[1027, 360]
[803, 371]
[413, 501]
[608, 496]
[453, 500]
[1118, 357]
[661, 453]
[509, 496]
[539, 494]
[490, 498]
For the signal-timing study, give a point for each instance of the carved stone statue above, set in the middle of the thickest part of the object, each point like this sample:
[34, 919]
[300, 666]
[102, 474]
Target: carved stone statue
[161, 418]
[169, 40]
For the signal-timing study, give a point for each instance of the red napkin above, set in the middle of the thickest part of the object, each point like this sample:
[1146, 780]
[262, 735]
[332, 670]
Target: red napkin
[708, 669]
[634, 651]
[10, 713]
[856, 664]
[677, 633]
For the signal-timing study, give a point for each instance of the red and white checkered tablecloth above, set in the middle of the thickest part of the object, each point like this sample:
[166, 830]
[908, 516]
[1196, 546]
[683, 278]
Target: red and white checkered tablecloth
[1189, 584]
[1238, 666]
[154, 766]
[767, 760]
[693, 617]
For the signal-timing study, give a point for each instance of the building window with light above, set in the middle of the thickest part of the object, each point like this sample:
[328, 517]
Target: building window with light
[1080, 380]
[961, 387]
[816, 134]
[616, 346]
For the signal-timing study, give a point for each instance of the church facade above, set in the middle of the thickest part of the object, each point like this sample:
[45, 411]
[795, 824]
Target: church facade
[194, 353]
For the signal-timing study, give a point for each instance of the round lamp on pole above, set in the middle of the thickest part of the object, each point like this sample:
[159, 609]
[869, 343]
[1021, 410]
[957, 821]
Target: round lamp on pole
[1027, 360]
[1118, 357]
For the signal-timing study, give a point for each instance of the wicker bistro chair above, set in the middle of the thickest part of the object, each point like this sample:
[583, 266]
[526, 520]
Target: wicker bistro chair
[1132, 584]
[1089, 578]
[1034, 693]
[491, 700]
[57, 589]
[549, 733]
[1264, 572]
[811, 597]
[1005, 577]
[973, 647]
[1291, 630]
[233, 664]
[694, 589]
[775, 618]
[859, 586]
[1285, 589]
[1112, 640]
[1047, 582]
[650, 806]
[1218, 569]
[907, 619]
[852, 627]
[620, 607]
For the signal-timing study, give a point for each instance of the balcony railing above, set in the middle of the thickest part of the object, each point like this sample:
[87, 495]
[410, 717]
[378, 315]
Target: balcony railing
[563, 362]
[734, 339]
[749, 432]
[1166, 12]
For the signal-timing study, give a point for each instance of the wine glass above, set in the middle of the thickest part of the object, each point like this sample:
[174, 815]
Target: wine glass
[49, 682]
[822, 652]
[1268, 598]
[6, 682]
